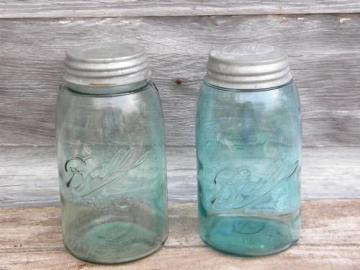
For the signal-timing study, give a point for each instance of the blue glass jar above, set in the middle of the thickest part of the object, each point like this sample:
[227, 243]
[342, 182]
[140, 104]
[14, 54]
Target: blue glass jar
[111, 155]
[248, 140]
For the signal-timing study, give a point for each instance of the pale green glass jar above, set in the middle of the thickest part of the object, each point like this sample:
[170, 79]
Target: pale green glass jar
[111, 155]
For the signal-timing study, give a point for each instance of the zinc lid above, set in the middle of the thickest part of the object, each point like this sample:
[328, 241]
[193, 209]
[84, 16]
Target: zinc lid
[248, 67]
[106, 65]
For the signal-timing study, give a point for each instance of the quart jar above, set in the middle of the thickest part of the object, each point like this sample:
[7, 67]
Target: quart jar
[248, 140]
[111, 156]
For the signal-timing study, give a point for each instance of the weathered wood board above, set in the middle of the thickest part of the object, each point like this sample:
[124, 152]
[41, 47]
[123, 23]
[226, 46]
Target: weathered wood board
[324, 55]
[31, 239]
[28, 175]
[116, 8]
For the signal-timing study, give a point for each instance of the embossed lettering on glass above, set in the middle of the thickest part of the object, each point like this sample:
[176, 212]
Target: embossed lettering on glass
[248, 139]
[111, 156]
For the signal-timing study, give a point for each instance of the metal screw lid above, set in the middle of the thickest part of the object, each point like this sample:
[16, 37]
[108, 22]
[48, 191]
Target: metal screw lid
[106, 66]
[248, 67]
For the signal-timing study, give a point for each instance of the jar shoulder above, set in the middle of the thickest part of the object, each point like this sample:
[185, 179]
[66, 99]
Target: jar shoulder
[212, 96]
[244, 115]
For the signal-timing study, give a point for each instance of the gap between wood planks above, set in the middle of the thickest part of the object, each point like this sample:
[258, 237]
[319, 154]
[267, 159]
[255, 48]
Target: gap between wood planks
[113, 8]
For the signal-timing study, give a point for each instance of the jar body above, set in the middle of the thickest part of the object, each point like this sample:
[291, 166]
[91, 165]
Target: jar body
[249, 159]
[112, 173]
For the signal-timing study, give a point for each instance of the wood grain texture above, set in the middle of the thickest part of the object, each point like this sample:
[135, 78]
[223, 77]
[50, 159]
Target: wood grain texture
[324, 55]
[28, 175]
[128, 8]
[31, 239]
[203, 258]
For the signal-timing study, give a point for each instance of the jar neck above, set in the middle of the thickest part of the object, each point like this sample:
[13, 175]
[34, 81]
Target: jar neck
[221, 88]
[107, 90]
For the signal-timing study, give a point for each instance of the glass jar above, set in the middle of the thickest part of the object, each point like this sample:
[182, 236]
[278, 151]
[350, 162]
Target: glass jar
[248, 140]
[111, 155]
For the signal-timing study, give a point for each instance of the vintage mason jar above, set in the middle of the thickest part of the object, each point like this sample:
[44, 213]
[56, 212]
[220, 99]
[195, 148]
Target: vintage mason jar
[248, 139]
[111, 158]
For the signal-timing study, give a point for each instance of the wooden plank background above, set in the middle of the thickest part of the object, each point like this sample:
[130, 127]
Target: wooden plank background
[321, 37]
[324, 55]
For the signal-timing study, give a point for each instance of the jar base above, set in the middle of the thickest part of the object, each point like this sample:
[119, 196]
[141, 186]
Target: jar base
[114, 243]
[248, 236]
